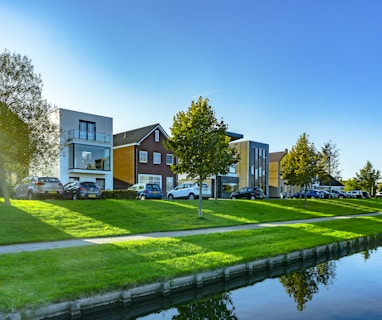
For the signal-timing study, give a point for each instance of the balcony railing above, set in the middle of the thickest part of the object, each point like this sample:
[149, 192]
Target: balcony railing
[75, 134]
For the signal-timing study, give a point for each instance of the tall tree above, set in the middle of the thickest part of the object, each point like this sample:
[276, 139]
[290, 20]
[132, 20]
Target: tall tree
[25, 118]
[329, 163]
[200, 144]
[300, 165]
[368, 178]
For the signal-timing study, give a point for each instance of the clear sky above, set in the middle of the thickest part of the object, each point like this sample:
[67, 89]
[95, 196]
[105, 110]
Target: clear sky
[272, 69]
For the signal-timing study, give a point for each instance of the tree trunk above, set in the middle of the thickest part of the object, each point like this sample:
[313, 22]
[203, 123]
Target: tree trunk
[305, 202]
[200, 210]
[4, 185]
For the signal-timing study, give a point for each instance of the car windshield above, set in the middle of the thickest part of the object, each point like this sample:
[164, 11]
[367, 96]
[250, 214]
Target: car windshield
[89, 184]
[153, 187]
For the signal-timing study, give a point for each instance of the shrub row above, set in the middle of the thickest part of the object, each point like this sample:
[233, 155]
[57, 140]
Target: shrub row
[119, 194]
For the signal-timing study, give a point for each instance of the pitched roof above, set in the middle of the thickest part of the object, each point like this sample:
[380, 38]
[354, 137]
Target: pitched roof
[333, 182]
[136, 136]
[276, 156]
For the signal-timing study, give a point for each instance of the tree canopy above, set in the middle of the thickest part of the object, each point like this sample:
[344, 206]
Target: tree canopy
[28, 132]
[200, 144]
[300, 166]
[366, 179]
[329, 163]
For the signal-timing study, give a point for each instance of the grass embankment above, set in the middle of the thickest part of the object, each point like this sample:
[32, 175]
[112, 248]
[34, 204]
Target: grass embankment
[38, 278]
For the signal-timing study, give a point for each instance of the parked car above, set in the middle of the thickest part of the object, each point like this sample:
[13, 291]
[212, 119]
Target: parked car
[250, 193]
[34, 187]
[311, 194]
[341, 194]
[327, 195]
[189, 190]
[81, 190]
[366, 195]
[356, 194]
[378, 194]
[147, 191]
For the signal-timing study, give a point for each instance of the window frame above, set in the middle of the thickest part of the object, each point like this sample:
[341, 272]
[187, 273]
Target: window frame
[169, 163]
[156, 136]
[157, 158]
[143, 156]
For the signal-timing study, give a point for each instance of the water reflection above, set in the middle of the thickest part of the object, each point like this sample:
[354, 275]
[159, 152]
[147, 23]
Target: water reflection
[351, 291]
[303, 285]
[216, 307]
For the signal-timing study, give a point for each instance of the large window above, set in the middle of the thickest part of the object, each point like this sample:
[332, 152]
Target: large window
[150, 178]
[88, 157]
[87, 130]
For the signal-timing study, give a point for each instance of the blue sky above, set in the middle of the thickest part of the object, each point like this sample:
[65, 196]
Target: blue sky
[271, 69]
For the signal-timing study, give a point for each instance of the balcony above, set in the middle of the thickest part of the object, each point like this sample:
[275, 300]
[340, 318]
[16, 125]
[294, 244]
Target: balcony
[76, 134]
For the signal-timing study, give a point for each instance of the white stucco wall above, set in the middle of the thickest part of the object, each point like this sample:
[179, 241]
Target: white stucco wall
[69, 120]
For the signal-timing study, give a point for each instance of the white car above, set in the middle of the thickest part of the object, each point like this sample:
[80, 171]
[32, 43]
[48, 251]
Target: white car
[189, 190]
[378, 194]
[34, 187]
[356, 194]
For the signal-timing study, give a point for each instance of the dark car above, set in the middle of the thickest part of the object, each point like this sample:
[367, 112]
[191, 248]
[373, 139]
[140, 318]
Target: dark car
[366, 194]
[81, 190]
[325, 194]
[250, 193]
[310, 194]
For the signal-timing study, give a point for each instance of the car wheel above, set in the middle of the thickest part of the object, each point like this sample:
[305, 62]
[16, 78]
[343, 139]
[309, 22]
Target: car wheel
[74, 196]
[253, 198]
[30, 195]
[233, 198]
[340, 197]
[191, 196]
[170, 197]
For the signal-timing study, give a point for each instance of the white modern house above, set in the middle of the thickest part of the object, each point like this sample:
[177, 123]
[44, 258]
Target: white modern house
[86, 148]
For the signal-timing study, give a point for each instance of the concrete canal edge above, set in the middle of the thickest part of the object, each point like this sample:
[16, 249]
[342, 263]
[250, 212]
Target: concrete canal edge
[291, 262]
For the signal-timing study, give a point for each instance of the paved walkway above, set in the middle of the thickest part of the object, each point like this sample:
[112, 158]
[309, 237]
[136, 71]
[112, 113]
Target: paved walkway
[30, 247]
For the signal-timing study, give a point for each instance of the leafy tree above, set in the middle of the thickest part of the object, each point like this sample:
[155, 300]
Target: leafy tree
[368, 178]
[329, 163]
[27, 128]
[200, 144]
[352, 184]
[13, 146]
[300, 165]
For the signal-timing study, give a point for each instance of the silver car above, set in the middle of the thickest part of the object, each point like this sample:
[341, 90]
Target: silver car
[34, 187]
[189, 190]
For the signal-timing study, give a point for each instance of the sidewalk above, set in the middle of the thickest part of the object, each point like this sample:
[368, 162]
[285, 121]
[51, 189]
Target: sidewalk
[30, 247]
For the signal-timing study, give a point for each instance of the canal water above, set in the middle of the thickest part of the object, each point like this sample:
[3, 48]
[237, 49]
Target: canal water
[336, 288]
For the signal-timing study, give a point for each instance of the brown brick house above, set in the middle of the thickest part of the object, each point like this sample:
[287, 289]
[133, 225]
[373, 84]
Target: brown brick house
[140, 156]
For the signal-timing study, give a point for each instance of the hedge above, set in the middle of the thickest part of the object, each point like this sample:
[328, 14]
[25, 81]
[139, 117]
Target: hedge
[119, 194]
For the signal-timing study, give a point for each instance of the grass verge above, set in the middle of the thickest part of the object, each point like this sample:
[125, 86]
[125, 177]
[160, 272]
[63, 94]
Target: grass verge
[29, 280]
[35, 221]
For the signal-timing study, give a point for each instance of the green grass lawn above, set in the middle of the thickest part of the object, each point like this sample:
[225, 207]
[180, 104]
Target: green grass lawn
[35, 221]
[29, 280]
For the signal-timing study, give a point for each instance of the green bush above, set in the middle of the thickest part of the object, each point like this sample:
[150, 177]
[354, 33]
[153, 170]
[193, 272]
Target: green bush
[119, 194]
